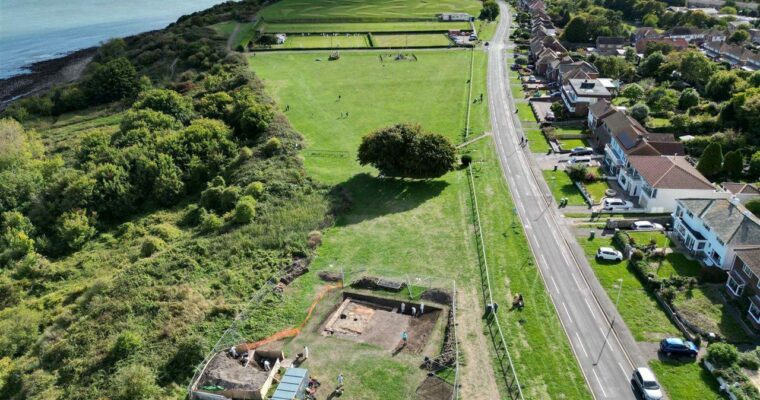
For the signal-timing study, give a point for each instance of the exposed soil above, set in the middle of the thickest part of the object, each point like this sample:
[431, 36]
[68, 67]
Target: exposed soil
[329, 276]
[420, 330]
[436, 295]
[44, 75]
[435, 388]
[294, 270]
[229, 373]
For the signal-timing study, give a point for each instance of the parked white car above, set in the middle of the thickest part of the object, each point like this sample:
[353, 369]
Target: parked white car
[608, 253]
[615, 204]
[646, 226]
[646, 384]
[580, 160]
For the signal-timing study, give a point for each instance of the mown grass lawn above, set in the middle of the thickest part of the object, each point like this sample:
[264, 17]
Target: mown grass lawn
[538, 345]
[568, 130]
[597, 189]
[536, 140]
[639, 309]
[569, 144]
[686, 380]
[562, 186]
[486, 29]
[525, 112]
[331, 27]
[413, 40]
[517, 90]
[327, 41]
[365, 9]
[418, 227]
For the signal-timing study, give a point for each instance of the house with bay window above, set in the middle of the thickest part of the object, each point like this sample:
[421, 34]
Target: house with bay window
[712, 230]
[744, 281]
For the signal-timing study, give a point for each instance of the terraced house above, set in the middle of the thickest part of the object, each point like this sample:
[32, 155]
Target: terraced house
[744, 282]
[713, 230]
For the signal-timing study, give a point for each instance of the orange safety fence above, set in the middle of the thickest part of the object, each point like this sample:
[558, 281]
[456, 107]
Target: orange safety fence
[293, 331]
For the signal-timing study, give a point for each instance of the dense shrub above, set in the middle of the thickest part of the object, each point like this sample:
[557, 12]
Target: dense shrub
[466, 160]
[168, 102]
[74, 229]
[577, 172]
[245, 210]
[272, 147]
[210, 222]
[749, 361]
[255, 120]
[722, 354]
[114, 80]
[620, 240]
[126, 343]
[151, 245]
[255, 189]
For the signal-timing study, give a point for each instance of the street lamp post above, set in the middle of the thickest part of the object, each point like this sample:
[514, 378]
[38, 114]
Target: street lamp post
[619, 287]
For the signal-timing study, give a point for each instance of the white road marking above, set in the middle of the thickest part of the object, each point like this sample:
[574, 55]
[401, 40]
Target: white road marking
[567, 312]
[581, 343]
[600, 383]
[555, 284]
[625, 374]
[544, 260]
[589, 307]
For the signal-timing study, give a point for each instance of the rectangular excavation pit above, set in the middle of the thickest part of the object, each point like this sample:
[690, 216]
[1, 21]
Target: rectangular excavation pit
[379, 321]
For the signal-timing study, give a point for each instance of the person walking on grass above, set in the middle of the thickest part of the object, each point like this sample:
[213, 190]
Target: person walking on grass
[340, 381]
[305, 352]
[404, 337]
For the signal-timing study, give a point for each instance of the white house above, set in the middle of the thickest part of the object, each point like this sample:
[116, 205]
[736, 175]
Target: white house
[713, 229]
[659, 181]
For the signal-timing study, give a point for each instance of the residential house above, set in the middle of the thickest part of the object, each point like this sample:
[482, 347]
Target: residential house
[544, 60]
[743, 281]
[753, 62]
[573, 70]
[610, 44]
[711, 229]
[537, 45]
[629, 138]
[644, 33]
[707, 10]
[715, 35]
[579, 94]
[687, 33]
[596, 113]
[743, 192]
[659, 181]
[754, 35]
[677, 44]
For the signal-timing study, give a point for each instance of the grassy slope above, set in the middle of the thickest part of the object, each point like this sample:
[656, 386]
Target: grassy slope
[420, 228]
[686, 380]
[330, 9]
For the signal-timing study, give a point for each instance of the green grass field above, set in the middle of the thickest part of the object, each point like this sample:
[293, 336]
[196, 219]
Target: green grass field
[562, 186]
[374, 94]
[686, 380]
[702, 306]
[639, 309]
[414, 40]
[418, 227]
[329, 27]
[536, 140]
[225, 28]
[525, 112]
[597, 189]
[328, 41]
[569, 144]
[364, 9]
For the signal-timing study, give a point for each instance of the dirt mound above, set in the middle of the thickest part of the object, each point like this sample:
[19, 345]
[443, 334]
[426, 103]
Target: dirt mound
[375, 283]
[229, 373]
[330, 276]
[436, 295]
[294, 270]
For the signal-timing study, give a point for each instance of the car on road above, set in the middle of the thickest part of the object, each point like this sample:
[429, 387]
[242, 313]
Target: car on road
[582, 151]
[646, 384]
[608, 253]
[646, 226]
[615, 204]
[580, 160]
[679, 347]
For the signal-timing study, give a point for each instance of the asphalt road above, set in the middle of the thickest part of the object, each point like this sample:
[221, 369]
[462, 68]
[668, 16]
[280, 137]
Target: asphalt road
[603, 345]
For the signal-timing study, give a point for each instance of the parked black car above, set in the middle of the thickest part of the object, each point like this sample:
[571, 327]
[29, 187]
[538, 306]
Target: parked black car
[680, 347]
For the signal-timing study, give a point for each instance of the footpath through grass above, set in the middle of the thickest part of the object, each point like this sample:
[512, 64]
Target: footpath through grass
[419, 227]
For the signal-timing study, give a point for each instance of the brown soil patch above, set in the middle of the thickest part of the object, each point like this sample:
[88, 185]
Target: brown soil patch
[435, 388]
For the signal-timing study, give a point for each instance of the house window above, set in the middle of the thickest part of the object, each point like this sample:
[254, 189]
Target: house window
[735, 287]
[707, 228]
[747, 271]
[754, 312]
[689, 214]
[679, 212]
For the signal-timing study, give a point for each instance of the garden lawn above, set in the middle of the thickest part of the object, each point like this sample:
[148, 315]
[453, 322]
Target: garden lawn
[702, 306]
[686, 380]
[517, 91]
[364, 10]
[562, 186]
[644, 238]
[597, 189]
[658, 122]
[318, 41]
[639, 309]
[417, 227]
[330, 27]
[525, 112]
[569, 144]
[413, 40]
[536, 140]
[486, 29]
[567, 130]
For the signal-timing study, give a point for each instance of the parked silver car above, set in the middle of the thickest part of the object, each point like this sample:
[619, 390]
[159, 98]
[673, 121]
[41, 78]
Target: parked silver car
[615, 204]
[646, 384]
[646, 226]
[608, 253]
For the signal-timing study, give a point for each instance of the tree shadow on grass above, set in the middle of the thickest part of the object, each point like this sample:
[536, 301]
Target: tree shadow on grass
[370, 197]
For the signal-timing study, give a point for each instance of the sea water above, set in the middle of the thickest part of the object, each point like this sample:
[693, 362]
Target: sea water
[37, 30]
